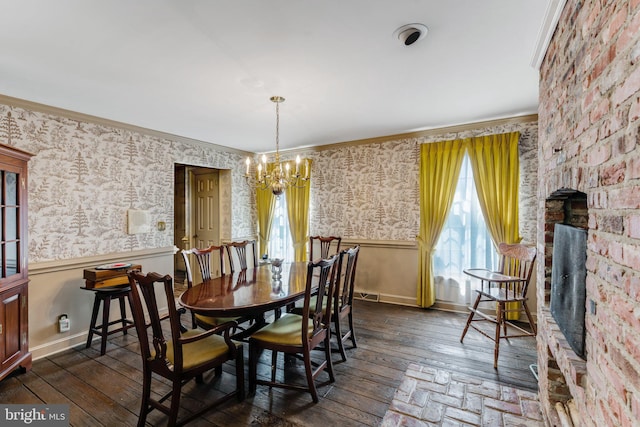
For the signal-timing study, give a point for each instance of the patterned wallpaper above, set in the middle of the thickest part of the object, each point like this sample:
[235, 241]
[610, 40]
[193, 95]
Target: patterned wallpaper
[85, 176]
[370, 191]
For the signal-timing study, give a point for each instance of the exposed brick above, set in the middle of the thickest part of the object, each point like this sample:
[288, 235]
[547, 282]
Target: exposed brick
[460, 415]
[633, 168]
[629, 87]
[598, 155]
[597, 46]
[472, 402]
[433, 412]
[634, 226]
[612, 174]
[634, 110]
[615, 24]
[624, 198]
[611, 224]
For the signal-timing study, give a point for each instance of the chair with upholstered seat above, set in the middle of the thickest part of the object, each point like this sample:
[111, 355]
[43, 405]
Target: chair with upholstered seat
[179, 357]
[299, 334]
[342, 301]
[342, 311]
[242, 255]
[207, 260]
[323, 246]
[516, 261]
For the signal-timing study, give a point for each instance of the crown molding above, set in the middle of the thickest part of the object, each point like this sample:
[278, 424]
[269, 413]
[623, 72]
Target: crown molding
[417, 134]
[548, 27]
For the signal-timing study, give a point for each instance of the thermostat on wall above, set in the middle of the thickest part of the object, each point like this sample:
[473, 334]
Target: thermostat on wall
[138, 221]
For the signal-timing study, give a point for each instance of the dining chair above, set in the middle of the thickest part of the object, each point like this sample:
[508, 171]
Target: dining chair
[342, 300]
[516, 260]
[205, 259]
[298, 334]
[323, 246]
[239, 259]
[178, 357]
[342, 311]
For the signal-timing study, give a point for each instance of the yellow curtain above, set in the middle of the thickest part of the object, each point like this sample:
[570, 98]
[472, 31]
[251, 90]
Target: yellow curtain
[440, 164]
[298, 213]
[266, 202]
[496, 173]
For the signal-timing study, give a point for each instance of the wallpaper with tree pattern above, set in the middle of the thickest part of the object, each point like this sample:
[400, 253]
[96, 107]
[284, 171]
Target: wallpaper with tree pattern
[371, 191]
[84, 176]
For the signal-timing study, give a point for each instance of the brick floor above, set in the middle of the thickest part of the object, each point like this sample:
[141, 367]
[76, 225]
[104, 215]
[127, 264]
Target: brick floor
[433, 397]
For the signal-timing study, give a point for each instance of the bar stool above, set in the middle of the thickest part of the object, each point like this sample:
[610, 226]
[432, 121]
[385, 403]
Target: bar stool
[104, 296]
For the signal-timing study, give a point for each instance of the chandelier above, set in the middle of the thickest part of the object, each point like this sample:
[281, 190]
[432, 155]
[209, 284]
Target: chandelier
[278, 175]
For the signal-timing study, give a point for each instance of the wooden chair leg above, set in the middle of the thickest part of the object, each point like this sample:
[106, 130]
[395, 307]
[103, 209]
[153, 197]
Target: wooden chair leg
[146, 394]
[470, 317]
[310, 381]
[339, 337]
[499, 324]
[274, 364]
[175, 403]
[253, 364]
[530, 318]
[353, 333]
[327, 355]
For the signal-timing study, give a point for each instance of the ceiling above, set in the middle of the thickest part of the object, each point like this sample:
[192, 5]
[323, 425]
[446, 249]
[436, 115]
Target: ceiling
[205, 69]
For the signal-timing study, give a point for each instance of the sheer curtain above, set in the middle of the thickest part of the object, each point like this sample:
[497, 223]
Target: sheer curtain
[280, 244]
[465, 242]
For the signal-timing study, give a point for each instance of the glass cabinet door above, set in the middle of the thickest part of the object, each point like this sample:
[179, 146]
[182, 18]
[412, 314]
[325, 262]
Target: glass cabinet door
[10, 213]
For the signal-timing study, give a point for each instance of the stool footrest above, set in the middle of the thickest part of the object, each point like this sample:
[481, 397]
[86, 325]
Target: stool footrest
[128, 325]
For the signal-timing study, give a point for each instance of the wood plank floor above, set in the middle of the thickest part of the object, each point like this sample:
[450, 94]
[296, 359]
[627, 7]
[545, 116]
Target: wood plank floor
[105, 390]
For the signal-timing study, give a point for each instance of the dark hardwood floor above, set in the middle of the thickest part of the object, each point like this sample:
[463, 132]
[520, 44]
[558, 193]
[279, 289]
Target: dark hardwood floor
[105, 390]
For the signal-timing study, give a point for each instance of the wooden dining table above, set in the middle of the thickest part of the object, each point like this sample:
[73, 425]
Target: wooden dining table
[251, 292]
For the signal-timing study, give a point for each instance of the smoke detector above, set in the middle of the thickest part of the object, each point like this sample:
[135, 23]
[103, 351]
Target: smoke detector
[410, 33]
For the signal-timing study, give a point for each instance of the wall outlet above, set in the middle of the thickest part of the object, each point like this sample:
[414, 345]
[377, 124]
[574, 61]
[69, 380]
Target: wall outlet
[64, 324]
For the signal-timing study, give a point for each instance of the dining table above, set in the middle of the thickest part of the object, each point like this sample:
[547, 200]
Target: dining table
[248, 293]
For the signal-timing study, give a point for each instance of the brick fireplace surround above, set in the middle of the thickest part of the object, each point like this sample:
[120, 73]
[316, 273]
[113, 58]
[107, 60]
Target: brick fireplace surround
[589, 142]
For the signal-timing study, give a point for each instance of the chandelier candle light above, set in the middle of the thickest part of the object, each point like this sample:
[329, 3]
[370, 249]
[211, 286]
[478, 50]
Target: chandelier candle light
[278, 175]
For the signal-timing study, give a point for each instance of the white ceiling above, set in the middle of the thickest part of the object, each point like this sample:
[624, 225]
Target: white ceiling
[205, 69]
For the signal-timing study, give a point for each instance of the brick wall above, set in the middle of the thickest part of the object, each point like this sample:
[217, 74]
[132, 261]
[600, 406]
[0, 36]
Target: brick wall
[589, 141]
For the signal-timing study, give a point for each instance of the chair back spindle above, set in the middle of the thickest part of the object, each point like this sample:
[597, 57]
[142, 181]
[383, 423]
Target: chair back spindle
[322, 247]
[242, 255]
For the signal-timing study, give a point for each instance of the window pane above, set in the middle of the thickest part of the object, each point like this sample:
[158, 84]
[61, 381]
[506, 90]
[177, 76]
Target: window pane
[12, 258]
[464, 243]
[11, 182]
[11, 230]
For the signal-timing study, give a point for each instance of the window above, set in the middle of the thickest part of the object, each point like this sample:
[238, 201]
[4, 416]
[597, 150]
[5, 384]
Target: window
[280, 244]
[464, 243]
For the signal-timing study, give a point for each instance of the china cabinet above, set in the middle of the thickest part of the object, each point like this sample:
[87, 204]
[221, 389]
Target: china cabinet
[14, 278]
